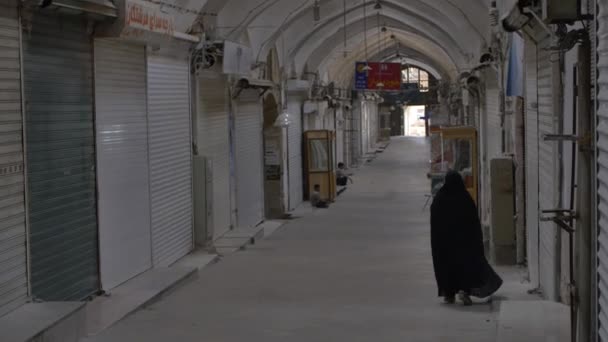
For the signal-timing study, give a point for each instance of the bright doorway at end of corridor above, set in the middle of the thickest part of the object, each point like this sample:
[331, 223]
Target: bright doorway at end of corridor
[413, 121]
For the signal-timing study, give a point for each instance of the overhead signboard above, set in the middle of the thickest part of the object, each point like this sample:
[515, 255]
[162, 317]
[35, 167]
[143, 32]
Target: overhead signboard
[141, 17]
[379, 76]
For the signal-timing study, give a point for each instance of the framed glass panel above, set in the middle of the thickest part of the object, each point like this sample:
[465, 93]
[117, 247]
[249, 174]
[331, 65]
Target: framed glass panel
[319, 155]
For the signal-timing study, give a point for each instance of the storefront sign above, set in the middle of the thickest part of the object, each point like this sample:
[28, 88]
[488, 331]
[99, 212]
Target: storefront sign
[148, 17]
[380, 76]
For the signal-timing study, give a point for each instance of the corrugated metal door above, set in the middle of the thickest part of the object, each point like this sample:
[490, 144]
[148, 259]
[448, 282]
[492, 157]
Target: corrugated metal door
[122, 161]
[493, 135]
[13, 269]
[249, 178]
[170, 158]
[602, 181]
[340, 155]
[58, 66]
[494, 147]
[296, 185]
[214, 144]
[548, 166]
[355, 135]
[532, 180]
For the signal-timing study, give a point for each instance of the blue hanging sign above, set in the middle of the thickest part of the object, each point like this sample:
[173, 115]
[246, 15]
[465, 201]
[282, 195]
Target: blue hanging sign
[361, 76]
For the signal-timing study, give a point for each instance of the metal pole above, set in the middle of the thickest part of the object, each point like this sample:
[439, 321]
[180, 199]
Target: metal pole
[584, 194]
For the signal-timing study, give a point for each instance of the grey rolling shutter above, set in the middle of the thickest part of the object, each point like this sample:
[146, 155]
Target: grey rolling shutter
[13, 268]
[248, 139]
[170, 158]
[548, 166]
[295, 136]
[532, 180]
[214, 144]
[61, 158]
[602, 181]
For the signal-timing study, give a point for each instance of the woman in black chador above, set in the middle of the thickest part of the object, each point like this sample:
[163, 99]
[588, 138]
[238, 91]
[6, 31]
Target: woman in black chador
[457, 243]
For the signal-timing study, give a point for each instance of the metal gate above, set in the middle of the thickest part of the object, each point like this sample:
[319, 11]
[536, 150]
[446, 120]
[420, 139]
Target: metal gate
[296, 184]
[58, 69]
[249, 178]
[170, 158]
[13, 268]
[214, 144]
[602, 181]
[122, 161]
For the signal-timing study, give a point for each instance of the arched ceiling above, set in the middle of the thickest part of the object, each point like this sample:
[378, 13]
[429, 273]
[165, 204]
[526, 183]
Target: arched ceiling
[445, 35]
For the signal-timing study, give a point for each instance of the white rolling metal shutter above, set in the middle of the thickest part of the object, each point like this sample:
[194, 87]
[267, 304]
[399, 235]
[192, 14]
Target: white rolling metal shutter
[214, 144]
[548, 166]
[602, 181]
[122, 161]
[170, 146]
[295, 133]
[58, 66]
[13, 268]
[532, 177]
[249, 177]
[493, 138]
[364, 128]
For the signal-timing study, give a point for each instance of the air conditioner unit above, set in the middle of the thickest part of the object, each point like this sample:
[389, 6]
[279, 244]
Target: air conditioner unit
[561, 11]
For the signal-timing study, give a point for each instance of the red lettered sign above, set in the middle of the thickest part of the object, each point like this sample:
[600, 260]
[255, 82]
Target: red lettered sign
[388, 74]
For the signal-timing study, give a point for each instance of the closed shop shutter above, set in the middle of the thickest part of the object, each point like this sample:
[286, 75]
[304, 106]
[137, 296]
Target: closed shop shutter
[532, 181]
[548, 166]
[340, 155]
[602, 181]
[355, 136]
[170, 158]
[364, 128]
[296, 185]
[214, 144]
[249, 178]
[58, 68]
[13, 269]
[122, 161]
[493, 138]
[494, 147]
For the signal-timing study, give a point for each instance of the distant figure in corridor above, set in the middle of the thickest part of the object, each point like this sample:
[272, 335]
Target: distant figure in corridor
[315, 198]
[457, 244]
[342, 177]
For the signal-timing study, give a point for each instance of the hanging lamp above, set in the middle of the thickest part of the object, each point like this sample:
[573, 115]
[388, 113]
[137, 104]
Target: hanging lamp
[316, 11]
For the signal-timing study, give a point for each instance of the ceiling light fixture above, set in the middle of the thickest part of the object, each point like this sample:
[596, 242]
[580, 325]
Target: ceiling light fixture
[378, 5]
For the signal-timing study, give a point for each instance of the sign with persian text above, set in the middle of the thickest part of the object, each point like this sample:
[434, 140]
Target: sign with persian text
[379, 76]
[144, 16]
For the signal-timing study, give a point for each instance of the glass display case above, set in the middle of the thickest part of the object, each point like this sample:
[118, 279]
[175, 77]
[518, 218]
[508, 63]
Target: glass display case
[320, 163]
[454, 148]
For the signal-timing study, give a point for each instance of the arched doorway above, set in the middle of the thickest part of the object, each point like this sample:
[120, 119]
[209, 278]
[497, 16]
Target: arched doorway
[274, 170]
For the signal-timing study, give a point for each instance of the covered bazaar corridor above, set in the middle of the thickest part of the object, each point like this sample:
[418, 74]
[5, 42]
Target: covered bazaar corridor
[360, 271]
[163, 165]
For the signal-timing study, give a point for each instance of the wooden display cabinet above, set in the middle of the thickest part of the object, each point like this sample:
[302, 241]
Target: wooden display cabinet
[319, 162]
[458, 153]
